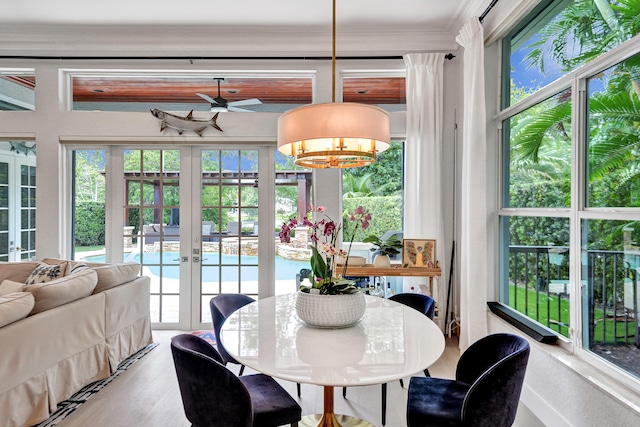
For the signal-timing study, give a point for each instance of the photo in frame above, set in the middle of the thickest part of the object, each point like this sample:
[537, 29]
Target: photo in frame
[419, 253]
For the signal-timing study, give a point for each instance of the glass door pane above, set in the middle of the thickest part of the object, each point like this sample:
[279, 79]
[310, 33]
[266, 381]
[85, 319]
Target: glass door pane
[229, 195]
[152, 206]
[27, 222]
[17, 201]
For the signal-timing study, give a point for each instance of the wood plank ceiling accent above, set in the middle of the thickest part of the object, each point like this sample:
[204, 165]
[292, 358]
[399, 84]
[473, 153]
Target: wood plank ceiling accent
[385, 90]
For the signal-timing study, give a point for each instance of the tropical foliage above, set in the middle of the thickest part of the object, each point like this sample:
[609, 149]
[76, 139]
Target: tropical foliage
[540, 137]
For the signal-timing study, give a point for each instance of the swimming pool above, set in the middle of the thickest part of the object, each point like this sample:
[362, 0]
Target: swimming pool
[211, 263]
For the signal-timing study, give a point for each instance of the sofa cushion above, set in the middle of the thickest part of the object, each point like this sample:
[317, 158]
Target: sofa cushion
[15, 306]
[9, 286]
[63, 290]
[111, 275]
[16, 271]
[45, 272]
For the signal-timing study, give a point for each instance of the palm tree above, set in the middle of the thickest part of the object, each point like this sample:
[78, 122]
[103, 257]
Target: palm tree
[592, 27]
[356, 186]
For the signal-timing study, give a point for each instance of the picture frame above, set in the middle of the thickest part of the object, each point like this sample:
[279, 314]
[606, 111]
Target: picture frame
[419, 253]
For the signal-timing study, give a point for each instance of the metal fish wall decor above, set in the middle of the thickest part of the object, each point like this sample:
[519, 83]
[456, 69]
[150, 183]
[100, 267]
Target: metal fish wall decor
[22, 147]
[188, 123]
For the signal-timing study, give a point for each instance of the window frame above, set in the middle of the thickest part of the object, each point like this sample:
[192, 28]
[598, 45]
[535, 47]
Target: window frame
[578, 211]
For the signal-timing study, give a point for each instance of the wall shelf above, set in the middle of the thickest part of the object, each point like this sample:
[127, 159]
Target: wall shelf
[394, 270]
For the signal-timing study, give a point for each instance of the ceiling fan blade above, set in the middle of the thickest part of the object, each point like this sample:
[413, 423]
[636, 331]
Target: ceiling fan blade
[239, 110]
[251, 101]
[207, 98]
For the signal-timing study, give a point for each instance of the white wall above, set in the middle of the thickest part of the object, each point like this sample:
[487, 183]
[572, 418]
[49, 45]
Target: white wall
[562, 391]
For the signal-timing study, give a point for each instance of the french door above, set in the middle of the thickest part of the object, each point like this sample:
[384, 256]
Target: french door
[200, 221]
[17, 206]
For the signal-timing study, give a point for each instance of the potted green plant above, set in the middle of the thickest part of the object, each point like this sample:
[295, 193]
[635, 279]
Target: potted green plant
[384, 248]
[332, 300]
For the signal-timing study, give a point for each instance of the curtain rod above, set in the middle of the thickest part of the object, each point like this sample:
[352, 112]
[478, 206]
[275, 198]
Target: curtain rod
[488, 9]
[195, 58]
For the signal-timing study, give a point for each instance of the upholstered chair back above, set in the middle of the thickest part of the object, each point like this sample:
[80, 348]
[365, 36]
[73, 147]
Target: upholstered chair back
[222, 306]
[212, 395]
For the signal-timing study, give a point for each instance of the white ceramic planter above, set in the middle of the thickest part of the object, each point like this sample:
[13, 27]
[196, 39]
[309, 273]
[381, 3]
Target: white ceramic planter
[330, 311]
[382, 261]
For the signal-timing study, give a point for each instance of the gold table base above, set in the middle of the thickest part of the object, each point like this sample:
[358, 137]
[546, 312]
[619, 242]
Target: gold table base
[334, 420]
[329, 418]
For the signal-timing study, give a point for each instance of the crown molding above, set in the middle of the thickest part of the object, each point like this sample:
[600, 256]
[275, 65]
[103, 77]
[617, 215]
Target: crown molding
[207, 41]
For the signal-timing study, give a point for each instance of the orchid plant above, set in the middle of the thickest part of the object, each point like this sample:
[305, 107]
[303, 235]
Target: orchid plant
[323, 233]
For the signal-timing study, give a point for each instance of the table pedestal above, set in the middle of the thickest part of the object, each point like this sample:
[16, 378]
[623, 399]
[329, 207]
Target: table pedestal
[329, 418]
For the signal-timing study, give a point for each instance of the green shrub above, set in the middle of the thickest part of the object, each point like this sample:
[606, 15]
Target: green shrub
[386, 214]
[89, 224]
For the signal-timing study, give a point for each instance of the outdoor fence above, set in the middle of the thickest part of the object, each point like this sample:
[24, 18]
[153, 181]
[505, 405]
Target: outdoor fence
[540, 289]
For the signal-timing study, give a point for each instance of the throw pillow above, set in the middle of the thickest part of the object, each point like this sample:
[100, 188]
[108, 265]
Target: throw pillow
[9, 286]
[44, 273]
[15, 306]
[74, 267]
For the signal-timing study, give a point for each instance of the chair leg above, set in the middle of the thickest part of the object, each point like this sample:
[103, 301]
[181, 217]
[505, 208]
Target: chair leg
[384, 403]
[401, 383]
[344, 392]
[294, 424]
[241, 370]
[298, 387]
[426, 373]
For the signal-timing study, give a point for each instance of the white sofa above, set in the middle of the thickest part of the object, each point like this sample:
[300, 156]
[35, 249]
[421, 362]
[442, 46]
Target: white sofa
[56, 338]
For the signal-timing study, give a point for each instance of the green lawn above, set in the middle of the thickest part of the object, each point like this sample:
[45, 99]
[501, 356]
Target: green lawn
[546, 311]
[88, 248]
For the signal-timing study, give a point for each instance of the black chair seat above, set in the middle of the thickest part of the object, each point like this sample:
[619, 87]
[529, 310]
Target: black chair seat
[444, 406]
[272, 405]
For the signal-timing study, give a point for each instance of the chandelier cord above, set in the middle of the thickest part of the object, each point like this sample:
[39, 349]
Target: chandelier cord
[333, 54]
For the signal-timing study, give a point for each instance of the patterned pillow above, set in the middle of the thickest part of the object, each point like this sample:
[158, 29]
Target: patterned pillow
[44, 273]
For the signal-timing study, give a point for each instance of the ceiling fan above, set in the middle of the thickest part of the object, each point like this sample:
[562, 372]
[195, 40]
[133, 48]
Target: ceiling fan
[220, 104]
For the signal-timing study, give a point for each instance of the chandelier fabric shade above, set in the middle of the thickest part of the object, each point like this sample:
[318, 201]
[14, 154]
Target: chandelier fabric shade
[334, 135]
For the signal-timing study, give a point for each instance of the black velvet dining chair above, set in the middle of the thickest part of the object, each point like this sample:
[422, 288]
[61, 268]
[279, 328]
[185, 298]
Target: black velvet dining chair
[485, 392]
[213, 396]
[425, 305]
[222, 306]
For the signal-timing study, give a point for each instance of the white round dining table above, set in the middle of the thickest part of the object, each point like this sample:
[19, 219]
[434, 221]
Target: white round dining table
[392, 341]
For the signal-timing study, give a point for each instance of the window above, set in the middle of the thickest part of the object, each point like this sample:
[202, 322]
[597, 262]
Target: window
[378, 188]
[17, 90]
[556, 81]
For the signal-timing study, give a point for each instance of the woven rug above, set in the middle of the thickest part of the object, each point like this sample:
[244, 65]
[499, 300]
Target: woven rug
[66, 407]
[207, 335]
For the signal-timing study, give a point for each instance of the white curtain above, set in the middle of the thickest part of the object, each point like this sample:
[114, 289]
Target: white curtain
[423, 206]
[473, 235]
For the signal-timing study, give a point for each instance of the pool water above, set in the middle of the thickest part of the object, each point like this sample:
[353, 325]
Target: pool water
[211, 263]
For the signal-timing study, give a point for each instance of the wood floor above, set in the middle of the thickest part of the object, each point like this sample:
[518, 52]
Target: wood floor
[147, 394]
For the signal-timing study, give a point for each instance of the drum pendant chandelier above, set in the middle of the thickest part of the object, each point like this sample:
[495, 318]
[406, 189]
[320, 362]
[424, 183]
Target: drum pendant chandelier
[336, 134]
